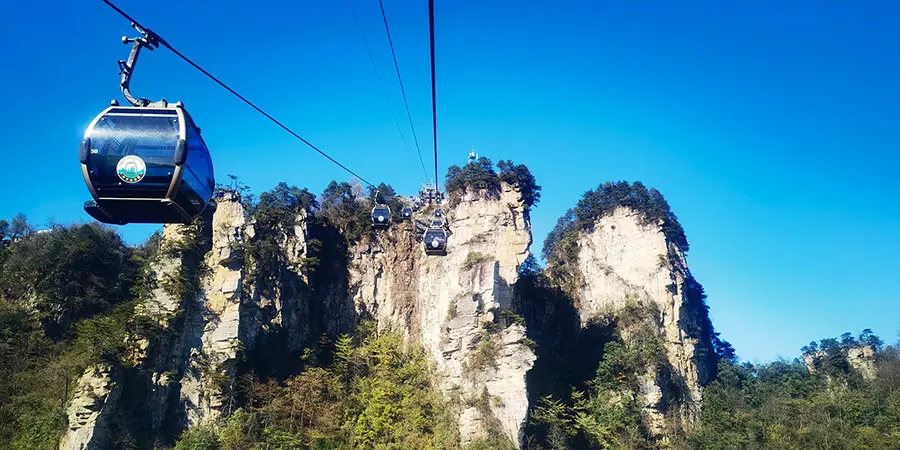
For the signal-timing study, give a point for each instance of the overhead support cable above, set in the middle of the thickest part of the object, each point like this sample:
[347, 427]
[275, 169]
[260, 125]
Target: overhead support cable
[165, 44]
[433, 91]
[400, 79]
[383, 90]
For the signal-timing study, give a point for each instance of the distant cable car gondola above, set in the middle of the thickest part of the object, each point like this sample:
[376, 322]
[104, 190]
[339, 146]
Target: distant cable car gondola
[381, 214]
[407, 213]
[435, 241]
[435, 238]
[145, 163]
[438, 213]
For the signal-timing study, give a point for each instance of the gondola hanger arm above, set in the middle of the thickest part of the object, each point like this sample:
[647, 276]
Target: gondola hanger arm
[149, 40]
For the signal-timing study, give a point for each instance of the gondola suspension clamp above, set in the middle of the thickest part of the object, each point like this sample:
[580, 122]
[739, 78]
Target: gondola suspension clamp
[150, 41]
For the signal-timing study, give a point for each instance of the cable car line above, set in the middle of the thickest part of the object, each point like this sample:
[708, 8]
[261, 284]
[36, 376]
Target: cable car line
[165, 44]
[383, 90]
[436, 233]
[400, 79]
[433, 89]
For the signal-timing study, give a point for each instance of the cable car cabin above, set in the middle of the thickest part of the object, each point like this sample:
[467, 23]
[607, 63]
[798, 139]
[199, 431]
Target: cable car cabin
[406, 213]
[381, 217]
[438, 213]
[435, 240]
[146, 165]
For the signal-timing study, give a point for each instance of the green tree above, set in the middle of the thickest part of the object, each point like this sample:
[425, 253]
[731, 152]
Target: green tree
[847, 340]
[20, 227]
[480, 176]
[68, 274]
[199, 438]
[341, 208]
[519, 176]
[867, 337]
[377, 393]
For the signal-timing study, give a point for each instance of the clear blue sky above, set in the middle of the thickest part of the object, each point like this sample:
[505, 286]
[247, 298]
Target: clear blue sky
[771, 127]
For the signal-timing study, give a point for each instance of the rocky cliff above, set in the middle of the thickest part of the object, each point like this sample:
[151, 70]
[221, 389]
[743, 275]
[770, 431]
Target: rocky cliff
[453, 304]
[625, 260]
[238, 294]
[90, 410]
[169, 321]
[858, 357]
[219, 300]
[628, 281]
[219, 340]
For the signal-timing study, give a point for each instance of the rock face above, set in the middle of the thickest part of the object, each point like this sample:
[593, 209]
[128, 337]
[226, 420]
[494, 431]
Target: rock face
[859, 357]
[450, 304]
[199, 298]
[160, 364]
[236, 291]
[278, 299]
[213, 360]
[220, 307]
[862, 358]
[622, 261]
[91, 410]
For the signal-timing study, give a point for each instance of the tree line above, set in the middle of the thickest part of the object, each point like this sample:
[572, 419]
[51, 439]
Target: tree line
[597, 203]
[481, 176]
[781, 405]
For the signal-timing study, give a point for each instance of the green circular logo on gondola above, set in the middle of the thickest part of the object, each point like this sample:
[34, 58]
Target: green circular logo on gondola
[131, 169]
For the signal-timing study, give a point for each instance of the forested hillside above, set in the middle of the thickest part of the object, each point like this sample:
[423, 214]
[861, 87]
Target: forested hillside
[66, 299]
[781, 405]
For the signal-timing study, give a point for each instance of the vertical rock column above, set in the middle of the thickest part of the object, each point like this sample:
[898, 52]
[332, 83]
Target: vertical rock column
[94, 405]
[450, 304]
[277, 299]
[91, 410]
[207, 385]
[624, 260]
[176, 305]
[482, 362]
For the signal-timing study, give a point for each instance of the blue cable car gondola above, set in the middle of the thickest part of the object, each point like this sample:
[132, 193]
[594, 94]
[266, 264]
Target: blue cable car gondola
[145, 163]
[435, 238]
[381, 216]
[406, 213]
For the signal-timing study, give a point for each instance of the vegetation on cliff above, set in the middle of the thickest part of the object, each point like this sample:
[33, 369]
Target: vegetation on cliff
[596, 203]
[69, 295]
[365, 391]
[275, 215]
[65, 303]
[581, 386]
[603, 412]
[781, 405]
[481, 176]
